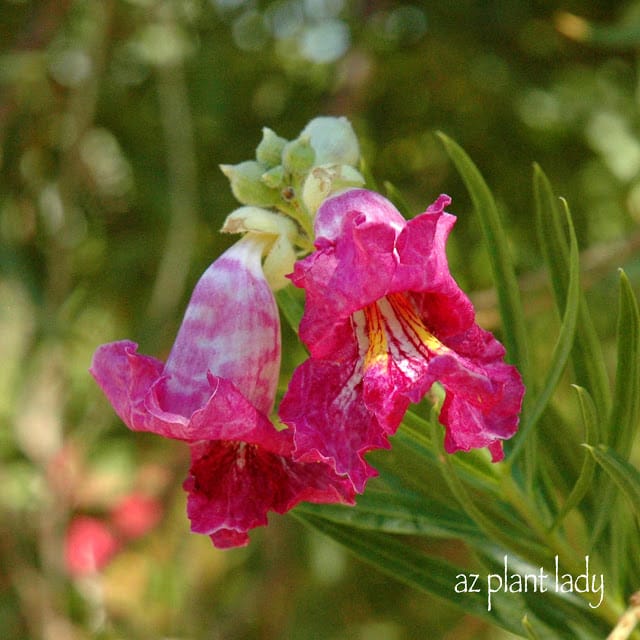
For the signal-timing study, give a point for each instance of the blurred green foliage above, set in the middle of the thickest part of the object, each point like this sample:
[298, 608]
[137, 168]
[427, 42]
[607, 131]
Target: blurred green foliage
[114, 117]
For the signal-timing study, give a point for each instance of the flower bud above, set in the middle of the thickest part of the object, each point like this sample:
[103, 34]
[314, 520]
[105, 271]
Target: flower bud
[281, 254]
[333, 140]
[274, 178]
[247, 185]
[298, 155]
[259, 220]
[279, 262]
[325, 181]
[269, 151]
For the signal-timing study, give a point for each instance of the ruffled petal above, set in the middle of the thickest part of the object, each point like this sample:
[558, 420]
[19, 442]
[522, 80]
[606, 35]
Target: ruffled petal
[215, 392]
[232, 485]
[324, 403]
[356, 234]
[366, 250]
[126, 377]
[356, 207]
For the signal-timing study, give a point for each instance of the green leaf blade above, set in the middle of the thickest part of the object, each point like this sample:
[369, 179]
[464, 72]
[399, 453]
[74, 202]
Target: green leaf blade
[291, 304]
[623, 474]
[586, 356]
[495, 238]
[564, 344]
[403, 514]
[624, 419]
[585, 479]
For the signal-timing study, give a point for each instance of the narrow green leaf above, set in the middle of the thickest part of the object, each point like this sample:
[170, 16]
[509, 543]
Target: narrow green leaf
[624, 420]
[399, 513]
[586, 355]
[291, 303]
[567, 614]
[585, 479]
[499, 527]
[475, 465]
[403, 562]
[413, 465]
[556, 444]
[495, 238]
[563, 346]
[528, 627]
[417, 424]
[625, 475]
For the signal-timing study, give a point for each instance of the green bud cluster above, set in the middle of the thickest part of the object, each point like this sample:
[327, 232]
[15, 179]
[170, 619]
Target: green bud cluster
[294, 177]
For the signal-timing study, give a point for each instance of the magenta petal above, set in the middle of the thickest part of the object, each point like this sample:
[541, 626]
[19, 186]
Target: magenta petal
[243, 468]
[126, 378]
[468, 427]
[342, 280]
[232, 486]
[228, 415]
[422, 260]
[354, 208]
[324, 402]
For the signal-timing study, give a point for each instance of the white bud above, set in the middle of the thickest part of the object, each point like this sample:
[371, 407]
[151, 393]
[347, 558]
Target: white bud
[274, 178]
[333, 140]
[281, 254]
[298, 156]
[279, 262]
[259, 220]
[325, 181]
[269, 151]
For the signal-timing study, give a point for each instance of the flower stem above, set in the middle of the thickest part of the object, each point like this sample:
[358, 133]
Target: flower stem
[628, 621]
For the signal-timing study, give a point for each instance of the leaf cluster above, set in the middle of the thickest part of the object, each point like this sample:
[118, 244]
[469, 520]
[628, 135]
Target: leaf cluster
[566, 492]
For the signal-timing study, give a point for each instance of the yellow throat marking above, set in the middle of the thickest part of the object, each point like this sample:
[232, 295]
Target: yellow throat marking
[395, 316]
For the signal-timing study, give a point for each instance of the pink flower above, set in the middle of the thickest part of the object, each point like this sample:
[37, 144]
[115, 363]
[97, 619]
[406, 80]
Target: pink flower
[215, 392]
[384, 319]
[89, 546]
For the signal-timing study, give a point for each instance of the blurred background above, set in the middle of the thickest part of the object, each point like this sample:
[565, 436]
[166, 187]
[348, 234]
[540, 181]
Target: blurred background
[114, 117]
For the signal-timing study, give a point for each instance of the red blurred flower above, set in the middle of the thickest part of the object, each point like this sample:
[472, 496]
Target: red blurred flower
[89, 546]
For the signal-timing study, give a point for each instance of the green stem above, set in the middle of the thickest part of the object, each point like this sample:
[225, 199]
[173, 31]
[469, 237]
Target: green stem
[295, 211]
